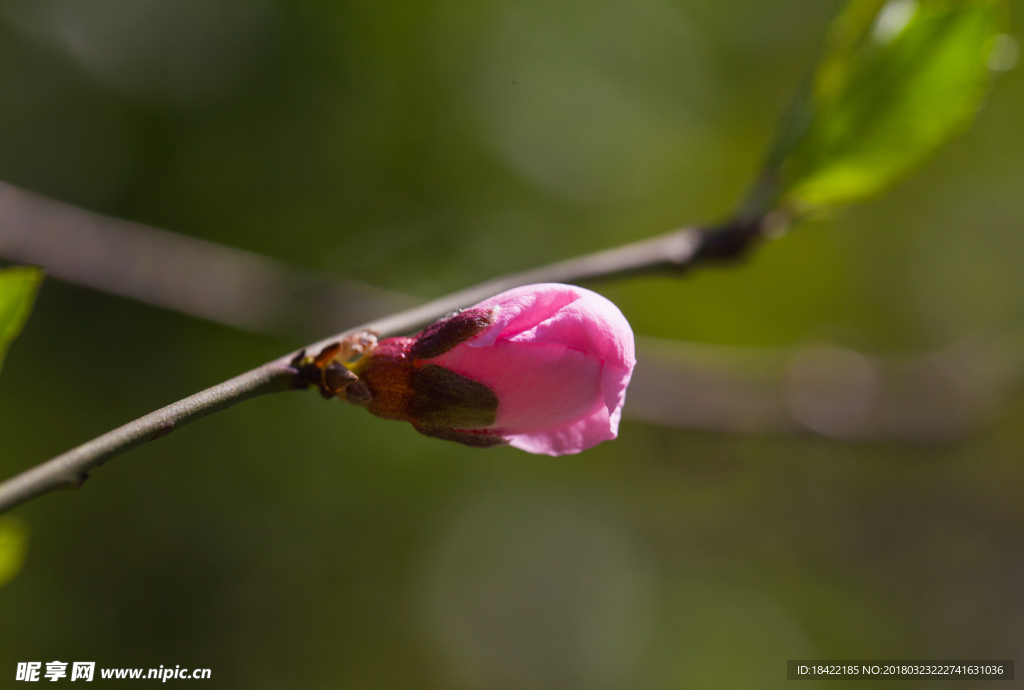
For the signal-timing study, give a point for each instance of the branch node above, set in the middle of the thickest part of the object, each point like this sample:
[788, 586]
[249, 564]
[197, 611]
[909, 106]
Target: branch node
[731, 241]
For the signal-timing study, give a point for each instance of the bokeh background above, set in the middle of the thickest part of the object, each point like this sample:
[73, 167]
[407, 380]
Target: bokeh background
[423, 146]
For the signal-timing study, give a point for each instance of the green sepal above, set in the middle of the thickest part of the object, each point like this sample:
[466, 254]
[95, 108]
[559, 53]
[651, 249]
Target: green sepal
[473, 439]
[445, 400]
[451, 331]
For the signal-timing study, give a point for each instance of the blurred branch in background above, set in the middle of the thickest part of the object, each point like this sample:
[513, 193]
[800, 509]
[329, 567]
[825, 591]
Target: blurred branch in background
[222, 284]
[818, 388]
[824, 389]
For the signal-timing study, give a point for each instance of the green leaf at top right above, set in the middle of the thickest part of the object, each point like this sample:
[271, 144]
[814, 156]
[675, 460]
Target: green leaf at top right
[897, 79]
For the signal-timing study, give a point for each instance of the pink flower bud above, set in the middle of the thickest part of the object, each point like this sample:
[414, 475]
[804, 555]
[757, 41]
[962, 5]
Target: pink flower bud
[541, 367]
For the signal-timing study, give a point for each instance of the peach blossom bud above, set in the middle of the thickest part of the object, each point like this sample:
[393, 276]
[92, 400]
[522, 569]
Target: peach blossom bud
[541, 367]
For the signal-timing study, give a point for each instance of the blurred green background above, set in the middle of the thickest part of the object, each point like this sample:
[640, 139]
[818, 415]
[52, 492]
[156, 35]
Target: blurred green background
[423, 146]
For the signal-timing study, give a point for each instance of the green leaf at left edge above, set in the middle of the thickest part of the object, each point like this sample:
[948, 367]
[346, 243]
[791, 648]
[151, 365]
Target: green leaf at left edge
[18, 288]
[898, 78]
[13, 546]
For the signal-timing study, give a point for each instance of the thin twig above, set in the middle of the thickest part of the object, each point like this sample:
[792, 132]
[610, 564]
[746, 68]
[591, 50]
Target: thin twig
[674, 252]
[72, 468]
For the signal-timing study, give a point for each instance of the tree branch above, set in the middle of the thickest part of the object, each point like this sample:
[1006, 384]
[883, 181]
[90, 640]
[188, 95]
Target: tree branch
[672, 252]
[71, 469]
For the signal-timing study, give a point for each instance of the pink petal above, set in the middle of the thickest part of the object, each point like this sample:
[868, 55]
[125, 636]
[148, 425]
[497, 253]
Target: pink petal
[522, 308]
[571, 316]
[559, 358]
[539, 385]
[571, 439]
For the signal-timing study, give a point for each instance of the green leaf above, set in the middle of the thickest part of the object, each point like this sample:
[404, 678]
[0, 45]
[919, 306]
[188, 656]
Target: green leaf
[897, 80]
[13, 546]
[18, 288]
